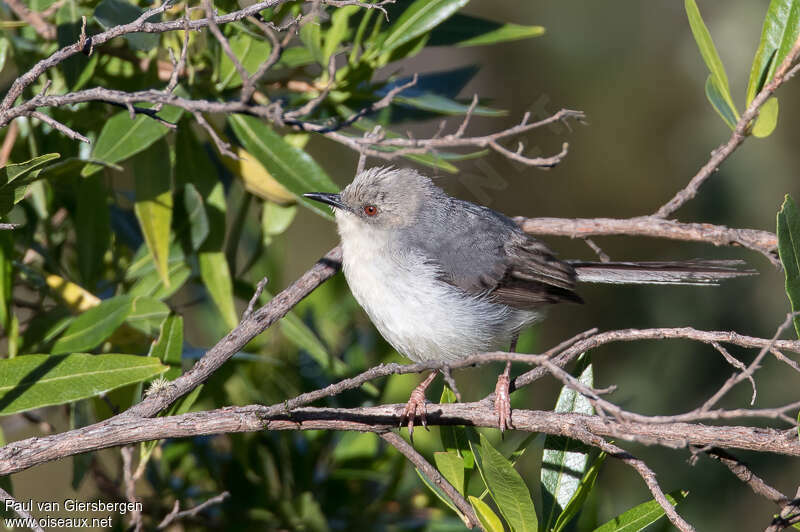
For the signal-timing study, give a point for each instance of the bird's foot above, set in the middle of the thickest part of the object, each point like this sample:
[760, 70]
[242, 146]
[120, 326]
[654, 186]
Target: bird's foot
[502, 401]
[415, 407]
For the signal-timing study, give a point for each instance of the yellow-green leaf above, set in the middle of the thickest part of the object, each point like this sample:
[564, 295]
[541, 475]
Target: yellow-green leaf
[767, 119]
[216, 277]
[486, 515]
[153, 174]
[789, 252]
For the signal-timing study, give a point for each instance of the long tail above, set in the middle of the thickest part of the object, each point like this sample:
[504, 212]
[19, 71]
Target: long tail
[691, 272]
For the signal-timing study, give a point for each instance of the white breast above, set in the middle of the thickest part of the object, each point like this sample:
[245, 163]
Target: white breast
[422, 317]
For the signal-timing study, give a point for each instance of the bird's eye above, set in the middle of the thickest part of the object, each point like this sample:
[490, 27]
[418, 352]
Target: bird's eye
[370, 210]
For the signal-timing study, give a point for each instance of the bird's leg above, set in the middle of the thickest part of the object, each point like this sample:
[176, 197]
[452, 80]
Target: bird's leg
[502, 401]
[416, 405]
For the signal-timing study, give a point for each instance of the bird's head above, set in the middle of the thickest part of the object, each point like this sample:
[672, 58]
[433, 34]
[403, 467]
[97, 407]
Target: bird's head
[381, 197]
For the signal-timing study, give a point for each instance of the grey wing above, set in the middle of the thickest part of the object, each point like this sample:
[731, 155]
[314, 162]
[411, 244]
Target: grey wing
[485, 253]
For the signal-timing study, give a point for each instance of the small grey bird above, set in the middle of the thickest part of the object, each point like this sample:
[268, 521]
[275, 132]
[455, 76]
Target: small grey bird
[443, 279]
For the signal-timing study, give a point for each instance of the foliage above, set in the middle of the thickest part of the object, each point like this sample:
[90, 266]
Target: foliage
[150, 237]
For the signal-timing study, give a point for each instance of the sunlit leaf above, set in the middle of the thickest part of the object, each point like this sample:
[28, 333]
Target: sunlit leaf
[94, 325]
[466, 30]
[451, 466]
[153, 174]
[251, 53]
[641, 516]
[507, 488]
[490, 521]
[720, 103]
[290, 166]
[778, 34]
[581, 494]
[34, 381]
[767, 119]
[419, 18]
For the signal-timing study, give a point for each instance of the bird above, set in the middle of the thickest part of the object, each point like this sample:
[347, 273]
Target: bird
[443, 278]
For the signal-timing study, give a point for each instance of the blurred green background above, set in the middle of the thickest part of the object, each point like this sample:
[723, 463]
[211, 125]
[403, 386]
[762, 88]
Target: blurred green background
[634, 69]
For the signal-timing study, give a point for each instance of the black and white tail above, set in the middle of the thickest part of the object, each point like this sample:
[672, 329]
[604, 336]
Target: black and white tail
[691, 272]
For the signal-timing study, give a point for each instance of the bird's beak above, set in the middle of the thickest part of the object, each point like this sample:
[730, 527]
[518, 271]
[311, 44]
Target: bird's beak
[334, 200]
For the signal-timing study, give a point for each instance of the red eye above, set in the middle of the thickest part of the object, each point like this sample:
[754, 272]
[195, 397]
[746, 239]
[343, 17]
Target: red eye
[370, 210]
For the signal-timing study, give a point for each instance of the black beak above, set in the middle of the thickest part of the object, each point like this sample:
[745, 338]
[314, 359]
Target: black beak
[334, 200]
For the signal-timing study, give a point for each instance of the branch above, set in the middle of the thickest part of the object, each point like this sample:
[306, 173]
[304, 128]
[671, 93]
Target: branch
[123, 430]
[740, 133]
[18, 509]
[176, 515]
[763, 242]
[433, 475]
[743, 473]
[39, 24]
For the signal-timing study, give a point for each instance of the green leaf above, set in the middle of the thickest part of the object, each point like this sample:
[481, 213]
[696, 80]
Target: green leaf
[147, 314]
[439, 493]
[778, 34]
[169, 346]
[767, 119]
[355, 446]
[338, 30]
[303, 337]
[564, 461]
[641, 516]
[487, 517]
[720, 103]
[466, 30]
[196, 215]
[451, 466]
[216, 277]
[34, 381]
[456, 438]
[275, 219]
[577, 501]
[420, 17]
[122, 137]
[507, 488]
[250, 52]
[5, 45]
[789, 252]
[94, 325]
[6, 277]
[717, 87]
[290, 166]
[111, 13]
[93, 224]
[441, 104]
[311, 36]
[153, 174]
[12, 172]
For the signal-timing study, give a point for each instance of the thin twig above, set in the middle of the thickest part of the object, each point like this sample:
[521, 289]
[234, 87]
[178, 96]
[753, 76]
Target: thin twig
[393, 439]
[176, 515]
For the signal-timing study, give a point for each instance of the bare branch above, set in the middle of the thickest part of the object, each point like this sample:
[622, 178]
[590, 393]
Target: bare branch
[55, 124]
[763, 242]
[9, 501]
[433, 475]
[743, 473]
[176, 515]
[740, 133]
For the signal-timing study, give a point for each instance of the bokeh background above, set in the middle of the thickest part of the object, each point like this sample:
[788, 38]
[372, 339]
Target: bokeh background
[634, 69]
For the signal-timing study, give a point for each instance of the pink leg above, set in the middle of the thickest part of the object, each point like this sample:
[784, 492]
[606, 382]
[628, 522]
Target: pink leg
[416, 405]
[502, 401]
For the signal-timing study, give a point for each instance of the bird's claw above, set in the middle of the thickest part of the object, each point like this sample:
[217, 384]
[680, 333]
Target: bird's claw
[502, 403]
[415, 407]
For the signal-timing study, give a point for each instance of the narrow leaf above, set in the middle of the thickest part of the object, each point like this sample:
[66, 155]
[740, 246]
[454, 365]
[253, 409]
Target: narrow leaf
[93, 224]
[487, 517]
[419, 18]
[564, 461]
[290, 166]
[579, 498]
[720, 103]
[153, 174]
[767, 119]
[789, 252]
[451, 466]
[111, 13]
[466, 30]
[641, 516]
[250, 52]
[216, 277]
[34, 381]
[169, 346]
[147, 314]
[122, 137]
[778, 34]
[507, 489]
[94, 326]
